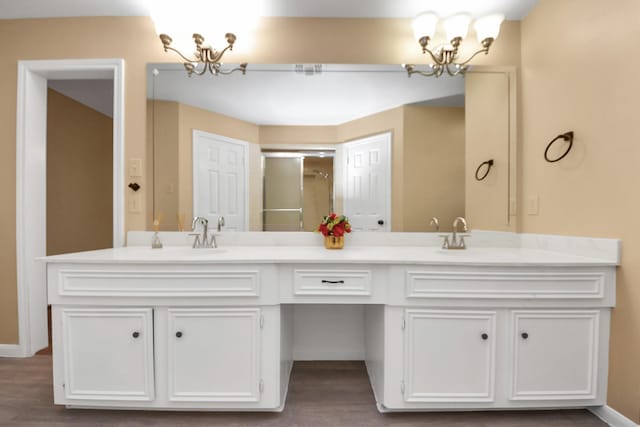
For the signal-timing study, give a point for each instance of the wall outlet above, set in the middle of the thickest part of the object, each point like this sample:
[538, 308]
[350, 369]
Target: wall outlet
[533, 205]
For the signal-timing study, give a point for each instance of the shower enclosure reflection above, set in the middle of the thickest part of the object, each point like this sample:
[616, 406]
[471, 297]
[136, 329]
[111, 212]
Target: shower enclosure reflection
[298, 189]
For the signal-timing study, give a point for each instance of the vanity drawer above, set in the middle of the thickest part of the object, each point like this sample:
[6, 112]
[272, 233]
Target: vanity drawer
[206, 281]
[579, 284]
[332, 282]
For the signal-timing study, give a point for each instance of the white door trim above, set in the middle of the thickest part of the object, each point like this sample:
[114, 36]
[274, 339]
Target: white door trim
[245, 147]
[386, 139]
[31, 125]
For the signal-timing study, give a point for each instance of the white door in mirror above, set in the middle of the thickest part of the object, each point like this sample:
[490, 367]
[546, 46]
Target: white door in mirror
[368, 183]
[219, 180]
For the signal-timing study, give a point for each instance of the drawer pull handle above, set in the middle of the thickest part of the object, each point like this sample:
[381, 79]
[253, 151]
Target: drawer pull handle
[136, 334]
[333, 282]
[179, 334]
[524, 335]
[485, 336]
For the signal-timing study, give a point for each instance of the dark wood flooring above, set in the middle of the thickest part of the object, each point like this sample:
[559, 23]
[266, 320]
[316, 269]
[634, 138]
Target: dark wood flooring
[320, 394]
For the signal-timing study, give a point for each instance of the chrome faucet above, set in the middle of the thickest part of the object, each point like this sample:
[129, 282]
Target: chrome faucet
[204, 241]
[220, 223]
[457, 241]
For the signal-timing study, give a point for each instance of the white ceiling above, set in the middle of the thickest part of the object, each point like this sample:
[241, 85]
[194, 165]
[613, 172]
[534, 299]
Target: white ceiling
[513, 9]
[96, 94]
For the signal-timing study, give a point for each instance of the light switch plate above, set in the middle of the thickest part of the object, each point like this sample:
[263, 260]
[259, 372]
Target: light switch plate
[533, 205]
[135, 167]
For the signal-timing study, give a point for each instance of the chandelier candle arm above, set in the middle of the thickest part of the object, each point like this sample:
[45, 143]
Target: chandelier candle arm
[208, 56]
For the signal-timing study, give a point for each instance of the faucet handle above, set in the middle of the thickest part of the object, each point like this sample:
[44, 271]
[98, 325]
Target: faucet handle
[445, 241]
[196, 241]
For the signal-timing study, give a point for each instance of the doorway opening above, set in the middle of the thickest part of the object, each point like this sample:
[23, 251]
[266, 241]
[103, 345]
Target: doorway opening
[31, 184]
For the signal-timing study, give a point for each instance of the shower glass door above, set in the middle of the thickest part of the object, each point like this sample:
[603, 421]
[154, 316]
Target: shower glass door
[298, 190]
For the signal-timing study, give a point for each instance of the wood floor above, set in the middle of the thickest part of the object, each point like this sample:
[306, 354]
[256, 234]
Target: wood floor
[320, 394]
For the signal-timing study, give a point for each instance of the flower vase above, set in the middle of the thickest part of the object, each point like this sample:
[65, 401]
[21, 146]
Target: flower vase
[334, 242]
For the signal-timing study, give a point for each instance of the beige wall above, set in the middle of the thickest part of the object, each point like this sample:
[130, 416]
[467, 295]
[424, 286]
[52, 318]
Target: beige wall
[164, 164]
[433, 166]
[286, 135]
[79, 176]
[487, 107]
[279, 40]
[579, 62]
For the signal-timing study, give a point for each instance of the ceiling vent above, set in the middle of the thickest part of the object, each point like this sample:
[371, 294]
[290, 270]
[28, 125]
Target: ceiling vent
[308, 69]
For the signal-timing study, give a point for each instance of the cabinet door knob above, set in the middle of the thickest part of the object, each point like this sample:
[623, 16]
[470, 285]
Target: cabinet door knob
[485, 336]
[380, 222]
[179, 334]
[136, 334]
[524, 335]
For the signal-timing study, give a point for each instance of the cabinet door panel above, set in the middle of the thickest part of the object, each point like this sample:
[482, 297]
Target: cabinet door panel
[449, 356]
[108, 354]
[214, 355]
[555, 354]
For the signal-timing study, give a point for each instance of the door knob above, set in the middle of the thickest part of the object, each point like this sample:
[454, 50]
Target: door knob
[179, 334]
[380, 222]
[135, 334]
[524, 335]
[485, 336]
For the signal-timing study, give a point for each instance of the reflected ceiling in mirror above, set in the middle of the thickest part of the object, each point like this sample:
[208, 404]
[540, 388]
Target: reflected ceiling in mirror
[302, 94]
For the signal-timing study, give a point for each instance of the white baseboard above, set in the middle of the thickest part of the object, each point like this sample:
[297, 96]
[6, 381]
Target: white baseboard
[612, 417]
[12, 350]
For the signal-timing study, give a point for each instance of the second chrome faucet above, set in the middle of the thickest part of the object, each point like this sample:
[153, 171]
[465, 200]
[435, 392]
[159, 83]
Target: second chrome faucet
[205, 240]
[457, 240]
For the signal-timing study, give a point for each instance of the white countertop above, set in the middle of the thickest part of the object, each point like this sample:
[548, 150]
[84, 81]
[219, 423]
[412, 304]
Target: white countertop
[426, 255]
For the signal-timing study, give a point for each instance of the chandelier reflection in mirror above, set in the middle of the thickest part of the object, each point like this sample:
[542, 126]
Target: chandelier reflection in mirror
[445, 56]
[206, 56]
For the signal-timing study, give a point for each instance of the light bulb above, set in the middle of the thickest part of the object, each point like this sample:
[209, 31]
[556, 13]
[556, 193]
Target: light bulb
[457, 26]
[424, 25]
[488, 26]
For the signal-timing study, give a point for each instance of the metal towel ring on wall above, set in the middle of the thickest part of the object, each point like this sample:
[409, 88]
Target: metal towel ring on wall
[489, 163]
[567, 136]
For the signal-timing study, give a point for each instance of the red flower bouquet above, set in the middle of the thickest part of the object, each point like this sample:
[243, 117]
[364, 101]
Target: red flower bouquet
[334, 225]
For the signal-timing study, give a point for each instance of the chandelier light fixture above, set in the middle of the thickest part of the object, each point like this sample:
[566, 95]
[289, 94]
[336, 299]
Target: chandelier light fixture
[206, 56]
[181, 24]
[456, 27]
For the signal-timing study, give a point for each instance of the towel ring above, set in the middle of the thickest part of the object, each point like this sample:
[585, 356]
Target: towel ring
[489, 163]
[567, 136]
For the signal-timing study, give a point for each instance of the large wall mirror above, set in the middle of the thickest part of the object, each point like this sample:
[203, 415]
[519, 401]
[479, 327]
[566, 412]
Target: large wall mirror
[279, 147]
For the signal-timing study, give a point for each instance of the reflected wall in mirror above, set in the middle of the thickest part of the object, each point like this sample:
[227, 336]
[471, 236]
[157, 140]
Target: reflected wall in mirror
[441, 130]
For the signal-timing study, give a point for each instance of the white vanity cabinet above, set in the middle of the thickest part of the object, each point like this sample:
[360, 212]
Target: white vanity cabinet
[215, 345]
[179, 329]
[108, 354]
[495, 337]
